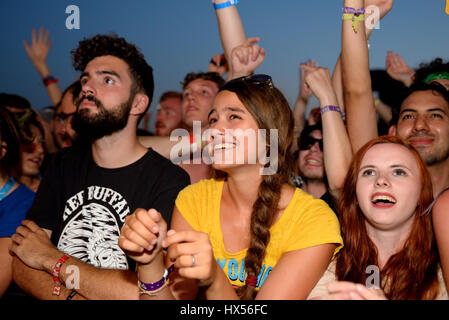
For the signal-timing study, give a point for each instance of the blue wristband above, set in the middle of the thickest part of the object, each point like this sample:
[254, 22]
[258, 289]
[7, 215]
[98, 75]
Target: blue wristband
[225, 4]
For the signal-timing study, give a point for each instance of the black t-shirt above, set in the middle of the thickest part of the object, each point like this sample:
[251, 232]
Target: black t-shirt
[85, 205]
[331, 202]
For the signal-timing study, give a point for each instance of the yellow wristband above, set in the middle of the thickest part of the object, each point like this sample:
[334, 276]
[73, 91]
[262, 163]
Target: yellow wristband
[355, 19]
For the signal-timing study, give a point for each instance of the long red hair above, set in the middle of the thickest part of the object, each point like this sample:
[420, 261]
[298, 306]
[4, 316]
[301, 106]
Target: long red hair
[411, 273]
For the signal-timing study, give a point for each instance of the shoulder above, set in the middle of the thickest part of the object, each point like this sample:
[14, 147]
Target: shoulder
[159, 164]
[441, 205]
[22, 196]
[304, 202]
[25, 193]
[71, 154]
[203, 187]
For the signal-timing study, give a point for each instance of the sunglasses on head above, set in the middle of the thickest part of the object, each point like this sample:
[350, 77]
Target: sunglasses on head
[258, 79]
[308, 142]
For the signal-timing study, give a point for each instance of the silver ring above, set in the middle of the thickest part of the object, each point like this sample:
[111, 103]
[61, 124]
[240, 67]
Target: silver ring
[193, 260]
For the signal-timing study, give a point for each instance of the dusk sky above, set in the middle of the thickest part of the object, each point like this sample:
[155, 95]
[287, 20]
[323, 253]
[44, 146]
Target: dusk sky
[179, 36]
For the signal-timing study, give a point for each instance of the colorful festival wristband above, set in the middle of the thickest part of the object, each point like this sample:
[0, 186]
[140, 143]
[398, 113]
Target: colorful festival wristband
[332, 108]
[153, 288]
[355, 16]
[224, 4]
[55, 274]
[49, 80]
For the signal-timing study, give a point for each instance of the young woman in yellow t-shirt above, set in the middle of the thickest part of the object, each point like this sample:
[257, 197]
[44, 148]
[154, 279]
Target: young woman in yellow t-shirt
[249, 230]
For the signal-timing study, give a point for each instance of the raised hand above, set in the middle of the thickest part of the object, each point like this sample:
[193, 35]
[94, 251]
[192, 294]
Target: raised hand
[191, 252]
[383, 5]
[384, 8]
[142, 234]
[320, 83]
[218, 64]
[39, 49]
[246, 58]
[398, 69]
[304, 90]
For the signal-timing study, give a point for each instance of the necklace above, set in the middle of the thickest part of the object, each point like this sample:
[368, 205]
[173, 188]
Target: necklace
[5, 189]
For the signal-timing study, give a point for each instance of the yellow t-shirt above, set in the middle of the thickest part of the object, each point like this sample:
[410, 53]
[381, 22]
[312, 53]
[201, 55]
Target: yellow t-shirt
[305, 222]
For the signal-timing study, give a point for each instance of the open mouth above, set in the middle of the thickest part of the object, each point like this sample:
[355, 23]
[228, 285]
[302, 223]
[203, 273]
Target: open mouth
[383, 200]
[313, 162]
[36, 161]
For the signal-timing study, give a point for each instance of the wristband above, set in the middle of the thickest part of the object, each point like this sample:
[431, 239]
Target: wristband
[154, 288]
[224, 4]
[332, 108]
[49, 80]
[71, 295]
[55, 274]
[354, 15]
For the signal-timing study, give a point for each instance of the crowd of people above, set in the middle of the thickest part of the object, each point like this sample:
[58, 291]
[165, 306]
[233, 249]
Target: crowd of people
[236, 195]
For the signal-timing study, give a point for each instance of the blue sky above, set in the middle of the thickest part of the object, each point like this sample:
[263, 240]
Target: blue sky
[179, 36]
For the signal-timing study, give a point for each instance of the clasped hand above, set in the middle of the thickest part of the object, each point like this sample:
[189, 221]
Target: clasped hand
[144, 235]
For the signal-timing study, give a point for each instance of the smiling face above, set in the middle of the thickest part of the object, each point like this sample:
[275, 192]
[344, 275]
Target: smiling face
[310, 160]
[388, 187]
[32, 154]
[234, 133]
[197, 100]
[424, 123]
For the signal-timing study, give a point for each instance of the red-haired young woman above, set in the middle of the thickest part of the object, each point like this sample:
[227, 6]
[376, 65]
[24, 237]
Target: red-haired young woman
[388, 236]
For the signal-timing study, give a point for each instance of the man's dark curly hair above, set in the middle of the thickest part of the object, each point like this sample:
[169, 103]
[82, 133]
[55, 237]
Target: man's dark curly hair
[425, 69]
[211, 76]
[112, 45]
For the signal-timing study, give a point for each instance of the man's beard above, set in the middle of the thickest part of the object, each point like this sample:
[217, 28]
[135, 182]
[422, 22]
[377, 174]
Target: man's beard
[433, 158]
[440, 152]
[102, 124]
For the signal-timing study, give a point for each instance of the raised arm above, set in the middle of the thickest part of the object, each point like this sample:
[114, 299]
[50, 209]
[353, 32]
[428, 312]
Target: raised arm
[358, 98]
[37, 53]
[359, 102]
[337, 148]
[337, 81]
[230, 28]
[299, 111]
